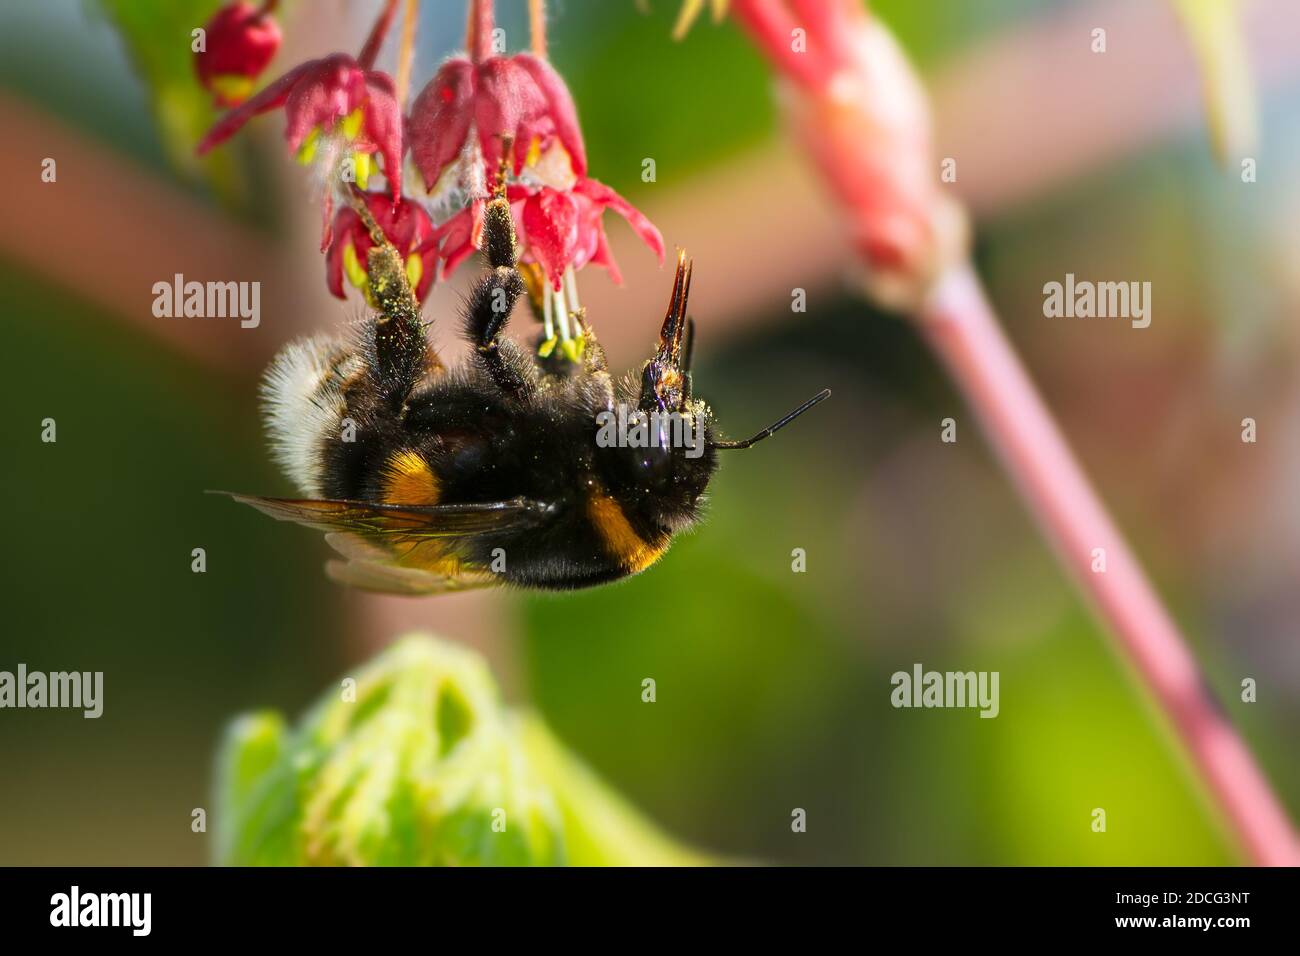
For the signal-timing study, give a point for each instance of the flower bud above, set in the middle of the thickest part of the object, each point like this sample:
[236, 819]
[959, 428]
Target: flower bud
[856, 104]
[239, 41]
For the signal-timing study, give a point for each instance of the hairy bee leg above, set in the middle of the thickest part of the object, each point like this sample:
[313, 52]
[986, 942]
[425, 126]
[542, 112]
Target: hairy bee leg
[493, 298]
[397, 353]
[594, 356]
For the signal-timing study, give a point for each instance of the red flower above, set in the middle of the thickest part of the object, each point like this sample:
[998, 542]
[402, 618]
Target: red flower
[559, 229]
[329, 96]
[519, 96]
[407, 227]
[565, 229]
[239, 42]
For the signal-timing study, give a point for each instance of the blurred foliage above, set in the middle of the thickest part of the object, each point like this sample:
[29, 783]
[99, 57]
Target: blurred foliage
[109, 516]
[158, 38]
[1214, 27]
[700, 101]
[414, 762]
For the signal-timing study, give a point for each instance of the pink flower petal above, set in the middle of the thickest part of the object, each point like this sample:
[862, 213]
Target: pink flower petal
[440, 119]
[346, 225]
[551, 222]
[605, 257]
[601, 194]
[333, 89]
[271, 96]
[506, 96]
[383, 127]
[559, 108]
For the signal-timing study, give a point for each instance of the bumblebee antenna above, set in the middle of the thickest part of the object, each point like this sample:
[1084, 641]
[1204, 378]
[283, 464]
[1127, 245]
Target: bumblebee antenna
[772, 429]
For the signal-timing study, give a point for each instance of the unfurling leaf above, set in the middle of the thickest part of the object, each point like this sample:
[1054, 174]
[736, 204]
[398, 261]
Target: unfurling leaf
[421, 766]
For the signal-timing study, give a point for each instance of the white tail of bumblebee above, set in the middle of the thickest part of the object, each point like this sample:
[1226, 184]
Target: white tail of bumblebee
[303, 406]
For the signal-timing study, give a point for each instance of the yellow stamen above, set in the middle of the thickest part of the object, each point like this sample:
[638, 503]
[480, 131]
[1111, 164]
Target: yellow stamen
[361, 167]
[352, 123]
[414, 270]
[692, 9]
[352, 266]
[307, 151]
[232, 87]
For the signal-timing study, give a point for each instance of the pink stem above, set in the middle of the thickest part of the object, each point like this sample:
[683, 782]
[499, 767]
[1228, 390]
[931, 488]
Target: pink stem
[370, 52]
[961, 327]
[478, 38]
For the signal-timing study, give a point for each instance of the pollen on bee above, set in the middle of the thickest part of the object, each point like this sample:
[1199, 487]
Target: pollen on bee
[408, 480]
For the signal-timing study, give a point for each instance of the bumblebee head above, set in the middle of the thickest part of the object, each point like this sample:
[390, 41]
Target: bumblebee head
[661, 456]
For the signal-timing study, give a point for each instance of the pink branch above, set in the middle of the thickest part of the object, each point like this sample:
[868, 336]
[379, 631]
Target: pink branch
[960, 326]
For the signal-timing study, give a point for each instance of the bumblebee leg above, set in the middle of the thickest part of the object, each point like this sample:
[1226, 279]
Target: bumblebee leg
[597, 384]
[593, 356]
[397, 352]
[493, 298]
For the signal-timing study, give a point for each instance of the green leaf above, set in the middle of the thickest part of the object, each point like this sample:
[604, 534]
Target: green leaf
[414, 762]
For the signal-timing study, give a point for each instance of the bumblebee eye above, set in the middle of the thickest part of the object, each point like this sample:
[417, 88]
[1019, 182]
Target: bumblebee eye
[654, 463]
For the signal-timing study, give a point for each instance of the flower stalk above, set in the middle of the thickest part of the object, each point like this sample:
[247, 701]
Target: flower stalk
[378, 33]
[478, 32]
[406, 52]
[537, 27]
[961, 328]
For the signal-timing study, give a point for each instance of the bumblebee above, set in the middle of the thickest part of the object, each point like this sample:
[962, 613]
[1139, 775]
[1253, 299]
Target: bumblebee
[430, 480]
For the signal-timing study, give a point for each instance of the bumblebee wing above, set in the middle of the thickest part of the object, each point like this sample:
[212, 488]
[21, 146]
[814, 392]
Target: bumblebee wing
[380, 521]
[392, 579]
[405, 549]
[405, 564]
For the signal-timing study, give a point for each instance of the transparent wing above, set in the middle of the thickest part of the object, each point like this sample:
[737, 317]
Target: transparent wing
[405, 549]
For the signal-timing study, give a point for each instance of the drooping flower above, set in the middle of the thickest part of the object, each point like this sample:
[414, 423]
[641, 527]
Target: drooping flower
[487, 121]
[520, 97]
[331, 102]
[858, 107]
[239, 41]
[563, 229]
[407, 227]
[558, 229]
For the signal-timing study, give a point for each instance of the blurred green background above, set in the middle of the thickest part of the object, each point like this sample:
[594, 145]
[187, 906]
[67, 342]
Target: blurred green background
[772, 687]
